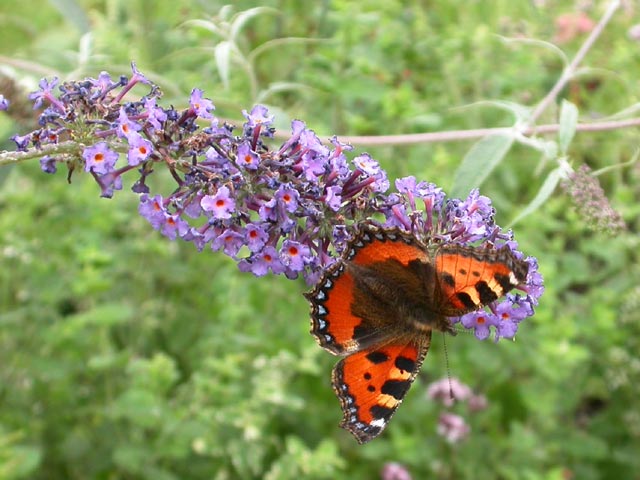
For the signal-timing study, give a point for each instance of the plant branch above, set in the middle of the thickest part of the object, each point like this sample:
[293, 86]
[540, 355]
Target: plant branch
[69, 147]
[11, 157]
[460, 135]
[570, 69]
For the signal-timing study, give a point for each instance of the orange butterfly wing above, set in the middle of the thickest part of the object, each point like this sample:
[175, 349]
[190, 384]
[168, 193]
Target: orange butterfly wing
[469, 278]
[372, 383]
[333, 322]
[379, 304]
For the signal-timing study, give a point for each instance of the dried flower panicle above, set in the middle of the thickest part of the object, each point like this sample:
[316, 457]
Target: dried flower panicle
[285, 210]
[591, 202]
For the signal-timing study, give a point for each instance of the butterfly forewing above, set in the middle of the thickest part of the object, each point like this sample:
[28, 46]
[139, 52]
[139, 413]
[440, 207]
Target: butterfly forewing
[469, 278]
[346, 315]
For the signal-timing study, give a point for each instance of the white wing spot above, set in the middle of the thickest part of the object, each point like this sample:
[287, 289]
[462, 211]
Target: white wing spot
[379, 422]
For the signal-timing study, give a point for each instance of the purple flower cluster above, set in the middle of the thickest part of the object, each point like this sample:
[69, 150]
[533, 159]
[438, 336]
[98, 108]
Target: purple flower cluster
[289, 209]
[448, 391]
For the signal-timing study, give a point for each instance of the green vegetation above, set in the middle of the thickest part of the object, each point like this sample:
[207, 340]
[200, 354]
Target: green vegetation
[125, 355]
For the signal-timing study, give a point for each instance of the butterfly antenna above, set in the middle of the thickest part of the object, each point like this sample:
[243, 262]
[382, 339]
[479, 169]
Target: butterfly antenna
[448, 366]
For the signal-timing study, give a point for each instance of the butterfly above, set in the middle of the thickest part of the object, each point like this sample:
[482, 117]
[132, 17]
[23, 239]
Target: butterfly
[379, 304]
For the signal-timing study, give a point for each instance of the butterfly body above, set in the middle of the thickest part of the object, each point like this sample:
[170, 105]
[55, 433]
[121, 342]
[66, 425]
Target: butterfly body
[378, 305]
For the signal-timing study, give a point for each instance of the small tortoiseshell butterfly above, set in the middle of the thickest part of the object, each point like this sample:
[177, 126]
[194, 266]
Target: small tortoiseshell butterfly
[378, 305]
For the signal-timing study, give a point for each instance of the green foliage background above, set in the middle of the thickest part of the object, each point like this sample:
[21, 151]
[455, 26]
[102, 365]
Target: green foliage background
[124, 355]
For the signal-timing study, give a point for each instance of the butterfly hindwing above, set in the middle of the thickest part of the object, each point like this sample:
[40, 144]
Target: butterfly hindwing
[372, 383]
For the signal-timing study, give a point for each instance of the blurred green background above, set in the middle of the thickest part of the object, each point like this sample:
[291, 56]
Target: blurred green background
[124, 355]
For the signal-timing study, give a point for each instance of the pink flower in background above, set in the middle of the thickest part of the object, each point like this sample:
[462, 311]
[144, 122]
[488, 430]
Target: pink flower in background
[477, 403]
[394, 471]
[571, 25]
[452, 427]
[448, 390]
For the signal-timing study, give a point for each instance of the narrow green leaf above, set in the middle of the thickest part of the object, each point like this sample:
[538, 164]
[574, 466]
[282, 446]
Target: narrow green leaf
[538, 43]
[279, 44]
[85, 49]
[206, 25]
[568, 123]
[543, 194]
[73, 12]
[242, 18]
[223, 61]
[627, 112]
[280, 87]
[479, 162]
[520, 112]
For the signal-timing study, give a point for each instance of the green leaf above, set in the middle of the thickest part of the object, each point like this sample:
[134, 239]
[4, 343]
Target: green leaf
[156, 374]
[479, 162]
[627, 112]
[281, 87]
[242, 18]
[132, 458]
[539, 43]
[19, 461]
[141, 407]
[73, 12]
[583, 445]
[543, 194]
[223, 61]
[520, 112]
[107, 315]
[206, 25]
[568, 122]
